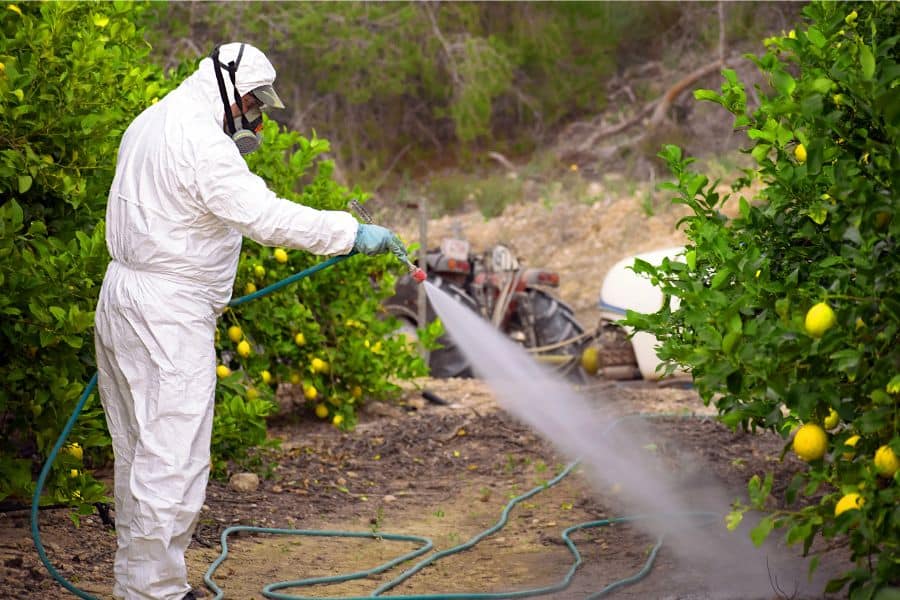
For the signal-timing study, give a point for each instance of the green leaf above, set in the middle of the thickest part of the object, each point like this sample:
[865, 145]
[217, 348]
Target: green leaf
[867, 62]
[762, 530]
[784, 83]
[733, 519]
[24, 183]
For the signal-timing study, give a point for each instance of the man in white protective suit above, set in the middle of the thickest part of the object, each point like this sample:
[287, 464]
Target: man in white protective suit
[180, 203]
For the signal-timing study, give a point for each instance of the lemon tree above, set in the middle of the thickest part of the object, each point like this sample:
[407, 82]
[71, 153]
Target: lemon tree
[789, 312]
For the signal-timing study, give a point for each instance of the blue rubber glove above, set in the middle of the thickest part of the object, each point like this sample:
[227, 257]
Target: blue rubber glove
[375, 239]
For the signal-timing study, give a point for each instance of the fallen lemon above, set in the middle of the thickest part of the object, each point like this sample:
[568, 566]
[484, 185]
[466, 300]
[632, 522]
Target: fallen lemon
[321, 411]
[280, 255]
[832, 420]
[243, 349]
[235, 334]
[819, 319]
[800, 153]
[810, 442]
[886, 462]
[590, 360]
[223, 371]
[851, 501]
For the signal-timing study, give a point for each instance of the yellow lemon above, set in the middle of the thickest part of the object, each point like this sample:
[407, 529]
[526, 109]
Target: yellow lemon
[319, 365]
[252, 394]
[259, 271]
[280, 255]
[819, 319]
[810, 442]
[356, 392]
[300, 339]
[235, 334]
[243, 349]
[590, 360]
[222, 371]
[321, 410]
[851, 441]
[249, 288]
[266, 376]
[800, 153]
[73, 473]
[75, 450]
[337, 420]
[376, 347]
[832, 420]
[886, 462]
[851, 501]
[310, 392]
[295, 378]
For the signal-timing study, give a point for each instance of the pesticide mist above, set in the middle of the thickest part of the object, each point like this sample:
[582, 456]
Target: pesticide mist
[611, 450]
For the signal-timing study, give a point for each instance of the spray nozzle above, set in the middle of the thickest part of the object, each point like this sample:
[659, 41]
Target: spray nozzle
[417, 273]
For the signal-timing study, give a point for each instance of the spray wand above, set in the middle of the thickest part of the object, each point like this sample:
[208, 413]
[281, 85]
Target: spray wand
[417, 273]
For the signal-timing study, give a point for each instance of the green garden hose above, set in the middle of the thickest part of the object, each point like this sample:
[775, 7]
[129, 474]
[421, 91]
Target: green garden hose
[270, 591]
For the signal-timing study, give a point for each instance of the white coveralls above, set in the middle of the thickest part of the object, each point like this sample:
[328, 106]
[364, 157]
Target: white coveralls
[180, 202]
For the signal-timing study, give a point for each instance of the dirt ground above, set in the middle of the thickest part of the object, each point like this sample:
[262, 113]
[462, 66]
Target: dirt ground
[445, 472]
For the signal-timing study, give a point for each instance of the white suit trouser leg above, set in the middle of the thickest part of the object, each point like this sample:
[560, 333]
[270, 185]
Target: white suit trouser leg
[157, 383]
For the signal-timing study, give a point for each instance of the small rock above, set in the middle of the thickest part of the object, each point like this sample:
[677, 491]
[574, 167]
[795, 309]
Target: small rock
[341, 481]
[244, 482]
[205, 508]
[390, 498]
[277, 489]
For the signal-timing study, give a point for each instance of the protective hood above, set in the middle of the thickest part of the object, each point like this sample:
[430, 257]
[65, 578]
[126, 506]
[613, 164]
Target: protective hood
[254, 71]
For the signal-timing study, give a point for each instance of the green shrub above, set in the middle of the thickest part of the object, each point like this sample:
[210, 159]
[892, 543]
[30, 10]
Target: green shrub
[824, 228]
[72, 77]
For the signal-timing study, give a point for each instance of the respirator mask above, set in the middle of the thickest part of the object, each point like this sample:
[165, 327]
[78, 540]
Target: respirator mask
[245, 132]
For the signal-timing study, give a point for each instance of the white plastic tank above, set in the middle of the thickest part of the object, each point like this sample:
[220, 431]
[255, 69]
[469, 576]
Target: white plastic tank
[623, 289]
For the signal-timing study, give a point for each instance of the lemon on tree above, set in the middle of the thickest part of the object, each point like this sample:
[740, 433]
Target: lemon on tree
[337, 420]
[851, 501]
[74, 450]
[819, 319]
[259, 271]
[321, 410]
[851, 441]
[280, 255]
[300, 339]
[810, 442]
[252, 394]
[832, 420]
[886, 462]
[310, 392]
[319, 366]
[235, 334]
[249, 288]
[265, 376]
[243, 349]
[800, 153]
[295, 378]
[222, 371]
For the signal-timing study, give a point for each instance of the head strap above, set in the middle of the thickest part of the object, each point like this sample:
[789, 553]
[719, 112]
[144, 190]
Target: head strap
[232, 68]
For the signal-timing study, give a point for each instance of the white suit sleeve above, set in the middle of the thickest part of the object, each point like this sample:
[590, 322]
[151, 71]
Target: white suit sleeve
[230, 191]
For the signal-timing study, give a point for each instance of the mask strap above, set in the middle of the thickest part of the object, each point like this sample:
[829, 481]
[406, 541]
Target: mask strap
[222, 93]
